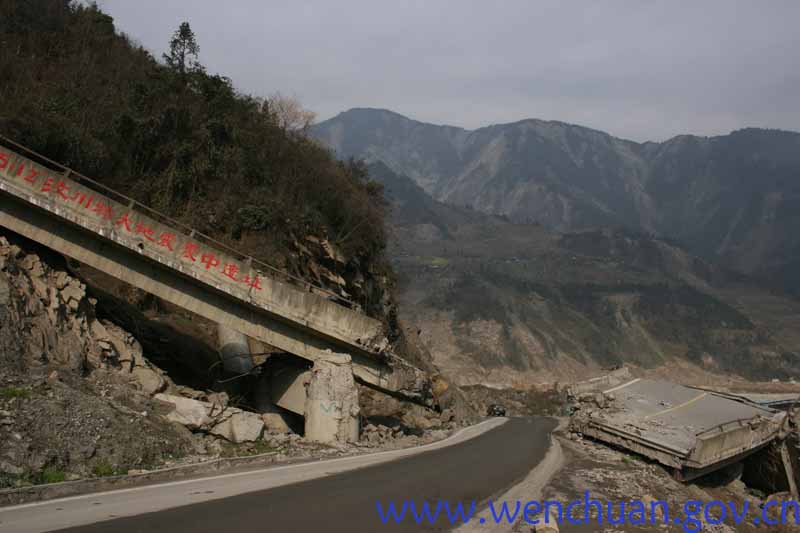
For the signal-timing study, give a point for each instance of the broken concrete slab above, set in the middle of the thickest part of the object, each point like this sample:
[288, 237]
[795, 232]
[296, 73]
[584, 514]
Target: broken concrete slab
[691, 430]
[773, 401]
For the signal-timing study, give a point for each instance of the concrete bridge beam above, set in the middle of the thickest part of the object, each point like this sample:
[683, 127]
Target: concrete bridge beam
[136, 245]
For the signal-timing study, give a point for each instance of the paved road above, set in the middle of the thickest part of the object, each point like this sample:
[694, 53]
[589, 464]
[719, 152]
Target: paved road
[477, 468]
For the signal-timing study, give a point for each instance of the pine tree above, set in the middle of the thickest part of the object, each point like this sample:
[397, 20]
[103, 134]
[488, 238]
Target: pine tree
[183, 50]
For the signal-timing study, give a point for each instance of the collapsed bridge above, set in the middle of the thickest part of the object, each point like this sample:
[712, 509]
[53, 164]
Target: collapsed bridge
[691, 430]
[88, 222]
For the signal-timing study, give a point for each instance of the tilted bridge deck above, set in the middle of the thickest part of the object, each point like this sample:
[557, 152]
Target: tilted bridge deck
[67, 213]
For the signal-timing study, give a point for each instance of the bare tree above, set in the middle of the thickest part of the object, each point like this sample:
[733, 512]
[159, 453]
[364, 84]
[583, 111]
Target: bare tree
[289, 113]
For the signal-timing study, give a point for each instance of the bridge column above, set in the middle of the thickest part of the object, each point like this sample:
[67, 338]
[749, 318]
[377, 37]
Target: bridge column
[234, 350]
[332, 401]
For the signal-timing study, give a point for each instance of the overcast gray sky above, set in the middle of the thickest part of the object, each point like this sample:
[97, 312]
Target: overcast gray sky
[644, 70]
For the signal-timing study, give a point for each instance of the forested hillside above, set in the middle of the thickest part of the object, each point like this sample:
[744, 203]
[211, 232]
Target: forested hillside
[184, 141]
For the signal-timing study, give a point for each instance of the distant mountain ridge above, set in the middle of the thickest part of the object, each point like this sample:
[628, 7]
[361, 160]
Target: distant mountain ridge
[733, 198]
[514, 304]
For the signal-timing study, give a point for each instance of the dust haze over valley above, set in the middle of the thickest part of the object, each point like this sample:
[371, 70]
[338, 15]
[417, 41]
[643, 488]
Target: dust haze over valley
[536, 250]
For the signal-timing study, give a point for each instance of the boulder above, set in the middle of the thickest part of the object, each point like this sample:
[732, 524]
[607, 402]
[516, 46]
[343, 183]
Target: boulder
[239, 427]
[190, 413]
[229, 423]
[151, 381]
[275, 422]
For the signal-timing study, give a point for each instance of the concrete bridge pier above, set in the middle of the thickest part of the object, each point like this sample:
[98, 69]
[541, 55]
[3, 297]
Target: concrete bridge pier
[326, 396]
[234, 350]
[332, 407]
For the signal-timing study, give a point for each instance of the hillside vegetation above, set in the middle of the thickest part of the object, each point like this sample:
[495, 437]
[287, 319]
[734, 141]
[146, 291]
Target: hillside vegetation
[184, 141]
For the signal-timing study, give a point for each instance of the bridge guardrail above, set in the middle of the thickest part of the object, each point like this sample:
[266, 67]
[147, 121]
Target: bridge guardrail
[190, 232]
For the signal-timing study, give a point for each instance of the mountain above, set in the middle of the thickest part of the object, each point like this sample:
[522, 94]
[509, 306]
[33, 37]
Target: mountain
[733, 198]
[508, 304]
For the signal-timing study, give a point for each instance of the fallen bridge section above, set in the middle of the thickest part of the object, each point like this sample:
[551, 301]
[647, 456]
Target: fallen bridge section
[691, 430]
[68, 213]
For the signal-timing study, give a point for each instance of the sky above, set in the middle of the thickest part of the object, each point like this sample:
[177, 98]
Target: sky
[638, 69]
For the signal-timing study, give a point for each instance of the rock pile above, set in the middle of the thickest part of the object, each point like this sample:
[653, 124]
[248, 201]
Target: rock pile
[77, 394]
[216, 418]
[64, 328]
[380, 434]
[79, 398]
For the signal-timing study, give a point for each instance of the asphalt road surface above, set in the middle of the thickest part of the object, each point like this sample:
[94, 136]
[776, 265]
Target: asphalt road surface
[475, 469]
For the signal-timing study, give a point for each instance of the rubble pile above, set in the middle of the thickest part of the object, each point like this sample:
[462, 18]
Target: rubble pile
[74, 390]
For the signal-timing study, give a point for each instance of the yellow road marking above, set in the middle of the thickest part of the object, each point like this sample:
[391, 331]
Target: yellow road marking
[684, 404]
[631, 382]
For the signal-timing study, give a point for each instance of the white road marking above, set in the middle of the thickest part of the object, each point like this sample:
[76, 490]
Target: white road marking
[75, 511]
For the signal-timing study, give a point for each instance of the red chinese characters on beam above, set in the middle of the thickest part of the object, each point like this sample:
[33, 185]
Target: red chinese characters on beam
[17, 170]
[55, 186]
[125, 221]
[191, 251]
[167, 240]
[82, 197]
[209, 260]
[104, 210]
[60, 188]
[254, 282]
[146, 231]
[231, 270]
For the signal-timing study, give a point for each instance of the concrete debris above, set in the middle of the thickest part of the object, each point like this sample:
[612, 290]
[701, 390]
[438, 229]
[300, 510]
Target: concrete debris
[379, 434]
[239, 426]
[230, 423]
[275, 422]
[193, 414]
[552, 527]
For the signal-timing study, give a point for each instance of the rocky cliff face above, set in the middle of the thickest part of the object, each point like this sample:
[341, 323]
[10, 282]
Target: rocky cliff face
[733, 198]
